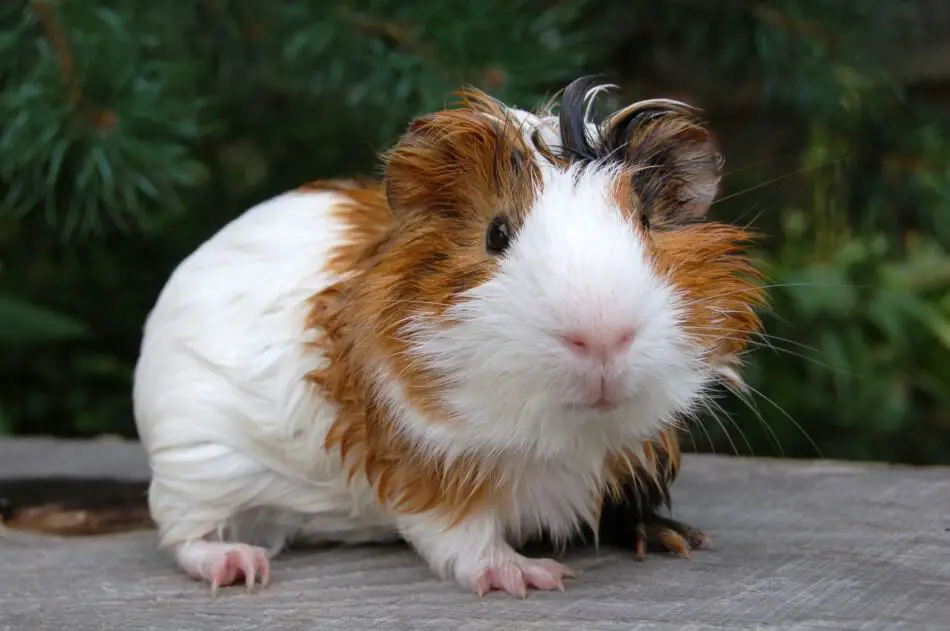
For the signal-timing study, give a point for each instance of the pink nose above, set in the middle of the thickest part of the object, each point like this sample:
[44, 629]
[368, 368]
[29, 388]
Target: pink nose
[602, 345]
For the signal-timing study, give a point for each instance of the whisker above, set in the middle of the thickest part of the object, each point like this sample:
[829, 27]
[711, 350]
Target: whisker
[692, 438]
[772, 159]
[738, 427]
[789, 417]
[699, 421]
[779, 178]
[741, 334]
[746, 290]
[722, 426]
[814, 361]
[777, 350]
[758, 415]
[752, 221]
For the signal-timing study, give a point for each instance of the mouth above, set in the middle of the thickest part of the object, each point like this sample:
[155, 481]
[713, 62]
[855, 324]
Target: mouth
[601, 405]
[599, 398]
[604, 405]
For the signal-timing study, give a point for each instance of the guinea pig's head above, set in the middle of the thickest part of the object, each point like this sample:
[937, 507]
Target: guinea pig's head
[545, 286]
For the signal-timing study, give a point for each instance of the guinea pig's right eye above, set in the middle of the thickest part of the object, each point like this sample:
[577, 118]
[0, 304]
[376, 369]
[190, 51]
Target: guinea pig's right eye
[498, 235]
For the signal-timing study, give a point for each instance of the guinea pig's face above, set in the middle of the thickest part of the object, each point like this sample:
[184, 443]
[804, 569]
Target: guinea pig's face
[554, 287]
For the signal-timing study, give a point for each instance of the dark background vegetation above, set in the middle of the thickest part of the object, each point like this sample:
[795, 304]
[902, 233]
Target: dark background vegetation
[133, 130]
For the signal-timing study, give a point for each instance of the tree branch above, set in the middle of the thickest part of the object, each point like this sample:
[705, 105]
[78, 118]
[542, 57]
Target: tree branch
[57, 38]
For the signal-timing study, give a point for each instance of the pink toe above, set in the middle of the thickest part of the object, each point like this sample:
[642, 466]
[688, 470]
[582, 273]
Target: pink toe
[539, 579]
[511, 579]
[554, 568]
[483, 582]
[250, 571]
[226, 573]
[264, 568]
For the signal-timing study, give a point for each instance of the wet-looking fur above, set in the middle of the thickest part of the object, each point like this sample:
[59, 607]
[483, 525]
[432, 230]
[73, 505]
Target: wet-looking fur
[417, 270]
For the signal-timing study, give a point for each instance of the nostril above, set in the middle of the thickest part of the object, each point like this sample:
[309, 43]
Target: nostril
[576, 343]
[625, 340]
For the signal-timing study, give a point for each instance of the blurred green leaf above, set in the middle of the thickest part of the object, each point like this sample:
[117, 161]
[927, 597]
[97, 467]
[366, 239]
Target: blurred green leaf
[934, 321]
[25, 324]
[822, 289]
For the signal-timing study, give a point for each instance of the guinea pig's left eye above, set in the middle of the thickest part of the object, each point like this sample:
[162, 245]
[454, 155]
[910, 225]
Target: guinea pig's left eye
[498, 236]
[644, 220]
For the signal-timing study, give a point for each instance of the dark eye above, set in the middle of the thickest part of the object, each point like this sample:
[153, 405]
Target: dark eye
[644, 220]
[498, 235]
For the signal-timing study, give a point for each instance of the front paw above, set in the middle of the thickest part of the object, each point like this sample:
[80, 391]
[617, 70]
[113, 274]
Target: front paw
[476, 554]
[515, 574]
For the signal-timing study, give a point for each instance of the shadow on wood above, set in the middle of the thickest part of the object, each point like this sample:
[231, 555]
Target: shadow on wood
[74, 507]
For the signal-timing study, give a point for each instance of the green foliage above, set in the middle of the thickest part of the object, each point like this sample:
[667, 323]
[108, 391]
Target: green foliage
[854, 362]
[133, 131]
[26, 324]
[863, 335]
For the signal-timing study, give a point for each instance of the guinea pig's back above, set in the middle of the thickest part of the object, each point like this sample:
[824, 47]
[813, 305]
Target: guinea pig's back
[219, 393]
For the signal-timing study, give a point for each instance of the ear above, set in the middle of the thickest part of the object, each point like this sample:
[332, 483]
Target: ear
[676, 161]
[695, 161]
[440, 162]
[408, 162]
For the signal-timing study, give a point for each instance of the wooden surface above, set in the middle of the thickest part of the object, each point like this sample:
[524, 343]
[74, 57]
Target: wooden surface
[799, 545]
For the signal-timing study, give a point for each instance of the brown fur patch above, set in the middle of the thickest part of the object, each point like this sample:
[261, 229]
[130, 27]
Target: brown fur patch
[467, 163]
[721, 287]
[370, 222]
[404, 478]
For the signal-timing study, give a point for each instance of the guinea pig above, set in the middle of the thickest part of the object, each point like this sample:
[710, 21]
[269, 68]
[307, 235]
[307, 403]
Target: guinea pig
[481, 348]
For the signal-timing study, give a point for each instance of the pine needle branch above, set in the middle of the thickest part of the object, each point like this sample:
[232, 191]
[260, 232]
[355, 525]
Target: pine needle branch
[60, 44]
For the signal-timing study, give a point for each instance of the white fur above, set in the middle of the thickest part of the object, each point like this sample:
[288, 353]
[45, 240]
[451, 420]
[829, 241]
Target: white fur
[234, 435]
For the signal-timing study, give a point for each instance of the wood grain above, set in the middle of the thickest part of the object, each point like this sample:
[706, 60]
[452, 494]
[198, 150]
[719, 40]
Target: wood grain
[798, 545]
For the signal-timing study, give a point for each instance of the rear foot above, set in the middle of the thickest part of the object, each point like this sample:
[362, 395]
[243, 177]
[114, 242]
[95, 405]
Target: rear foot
[224, 564]
[655, 533]
[632, 520]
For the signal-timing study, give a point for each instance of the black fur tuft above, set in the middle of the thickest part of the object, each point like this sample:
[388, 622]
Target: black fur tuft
[614, 136]
[576, 144]
[675, 161]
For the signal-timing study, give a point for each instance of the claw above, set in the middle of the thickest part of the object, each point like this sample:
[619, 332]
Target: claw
[223, 564]
[483, 582]
[698, 540]
[668, 535]
[640, 542]
[674, 542]
[264, 564]
[515, 576]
